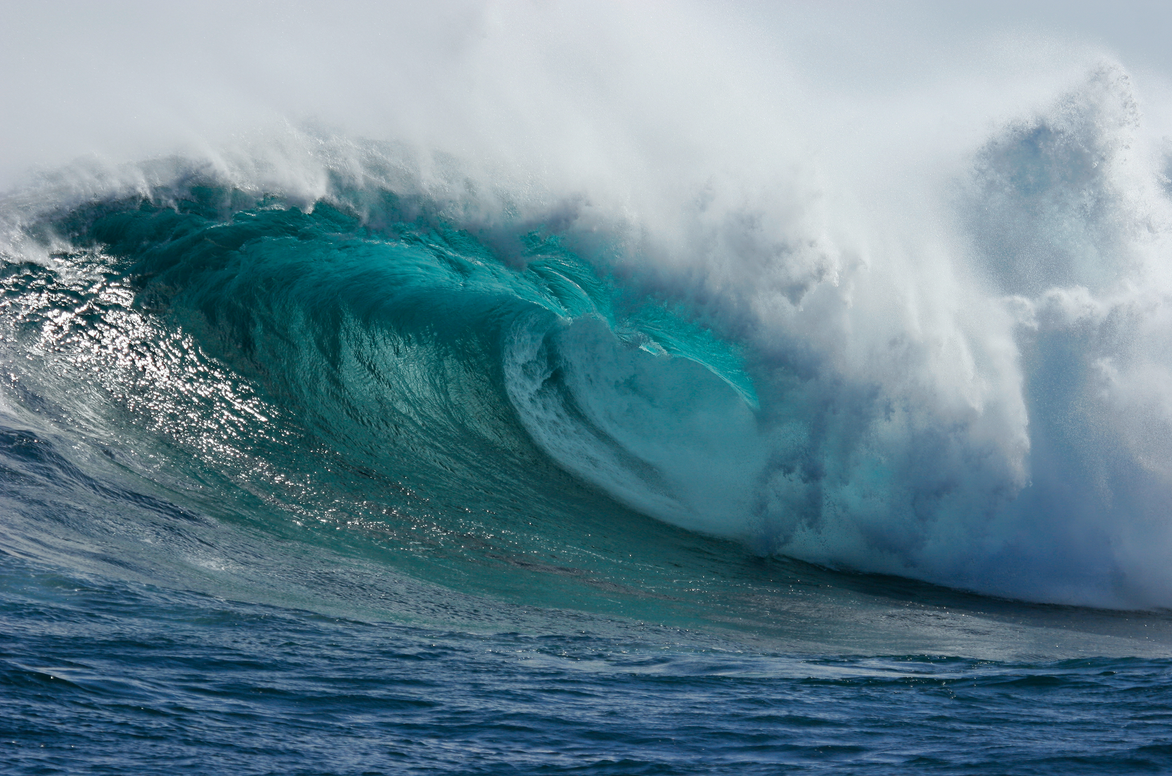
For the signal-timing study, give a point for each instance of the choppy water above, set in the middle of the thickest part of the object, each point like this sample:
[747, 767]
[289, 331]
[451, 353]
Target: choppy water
[115, 678]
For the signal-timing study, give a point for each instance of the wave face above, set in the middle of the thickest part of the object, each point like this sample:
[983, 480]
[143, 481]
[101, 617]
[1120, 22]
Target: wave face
[827, 335]
[988, 411]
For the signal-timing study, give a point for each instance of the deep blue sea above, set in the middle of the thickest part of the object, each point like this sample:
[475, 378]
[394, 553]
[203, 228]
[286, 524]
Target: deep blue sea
[702, 451]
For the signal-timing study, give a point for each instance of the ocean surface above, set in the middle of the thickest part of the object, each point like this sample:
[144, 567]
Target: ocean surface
[329, 453]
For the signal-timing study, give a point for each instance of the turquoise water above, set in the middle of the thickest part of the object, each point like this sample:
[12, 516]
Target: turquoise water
[374, 482]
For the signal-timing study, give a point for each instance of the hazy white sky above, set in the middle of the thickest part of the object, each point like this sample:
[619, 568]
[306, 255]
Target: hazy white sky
[131, 78]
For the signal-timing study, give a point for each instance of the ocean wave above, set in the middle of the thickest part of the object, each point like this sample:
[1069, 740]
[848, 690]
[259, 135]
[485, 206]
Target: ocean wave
[967, 387]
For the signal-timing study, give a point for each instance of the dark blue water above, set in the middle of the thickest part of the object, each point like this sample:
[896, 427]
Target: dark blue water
[376, 483]
[103, 677]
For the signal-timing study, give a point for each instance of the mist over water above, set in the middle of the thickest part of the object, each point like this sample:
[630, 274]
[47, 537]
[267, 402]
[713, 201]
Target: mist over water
[921, 278]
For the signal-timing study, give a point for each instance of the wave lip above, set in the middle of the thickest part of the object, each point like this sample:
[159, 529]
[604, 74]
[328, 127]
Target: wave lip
[665, 435]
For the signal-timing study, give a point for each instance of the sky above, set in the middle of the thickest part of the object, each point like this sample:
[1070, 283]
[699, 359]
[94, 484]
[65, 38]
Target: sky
[129, 79]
